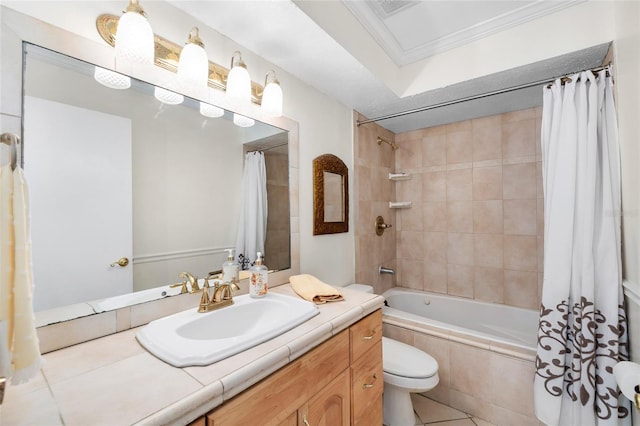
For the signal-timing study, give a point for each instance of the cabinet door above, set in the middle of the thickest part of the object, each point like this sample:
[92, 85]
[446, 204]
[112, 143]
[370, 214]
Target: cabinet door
[366, 391]
[330, 406]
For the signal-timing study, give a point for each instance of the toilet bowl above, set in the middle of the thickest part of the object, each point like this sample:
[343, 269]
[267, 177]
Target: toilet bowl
[406, 370]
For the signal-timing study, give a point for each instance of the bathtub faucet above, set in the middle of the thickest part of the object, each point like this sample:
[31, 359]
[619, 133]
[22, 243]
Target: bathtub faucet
[383, 270]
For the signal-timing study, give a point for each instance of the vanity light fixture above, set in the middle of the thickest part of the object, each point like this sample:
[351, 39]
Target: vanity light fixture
[242, 121]
[134, 39]
[167, 96]
[271, 96]
[111, 79]
[238, 81]
[193, 66]
[209, 110]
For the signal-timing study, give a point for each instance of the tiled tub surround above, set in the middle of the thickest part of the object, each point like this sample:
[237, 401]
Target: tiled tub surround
[372, 192]
[476, 226]
[113, 380]
[488, 379]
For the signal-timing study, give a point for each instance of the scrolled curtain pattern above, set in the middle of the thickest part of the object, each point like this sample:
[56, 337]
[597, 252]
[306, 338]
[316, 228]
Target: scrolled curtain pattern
[582, 330]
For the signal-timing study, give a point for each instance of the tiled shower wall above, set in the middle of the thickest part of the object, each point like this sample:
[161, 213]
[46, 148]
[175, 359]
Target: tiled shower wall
[475, 229]
[371, 195]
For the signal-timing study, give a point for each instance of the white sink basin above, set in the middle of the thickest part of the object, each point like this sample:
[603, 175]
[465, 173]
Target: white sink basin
[192, 338]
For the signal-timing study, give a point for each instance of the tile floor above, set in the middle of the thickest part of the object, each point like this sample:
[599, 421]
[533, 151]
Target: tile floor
[430, 412]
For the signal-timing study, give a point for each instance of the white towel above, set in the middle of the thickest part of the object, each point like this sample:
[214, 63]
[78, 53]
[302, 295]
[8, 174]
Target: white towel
[18, 333]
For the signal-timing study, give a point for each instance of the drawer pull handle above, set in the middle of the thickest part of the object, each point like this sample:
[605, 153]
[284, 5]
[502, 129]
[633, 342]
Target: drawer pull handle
[304, 420]
[369, 385]
[369, 337]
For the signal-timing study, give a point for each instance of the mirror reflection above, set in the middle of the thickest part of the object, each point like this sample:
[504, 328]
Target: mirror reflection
[333, 195]
[117, 174]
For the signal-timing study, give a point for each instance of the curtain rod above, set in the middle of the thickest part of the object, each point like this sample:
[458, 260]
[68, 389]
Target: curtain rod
[474, 97]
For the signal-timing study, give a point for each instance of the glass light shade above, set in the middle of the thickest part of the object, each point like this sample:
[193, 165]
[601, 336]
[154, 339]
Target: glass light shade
[239, 85]
[111, 79]
[167, 96]
[134, 38]
[272, 100]
[242, 121]
[209, 110]
[193, 66]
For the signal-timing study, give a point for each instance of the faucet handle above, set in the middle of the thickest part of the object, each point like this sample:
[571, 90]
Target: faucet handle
[205, 300]
[193, 280]
[182, 284]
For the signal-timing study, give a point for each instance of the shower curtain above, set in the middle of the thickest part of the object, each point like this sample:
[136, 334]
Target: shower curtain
[252, 229]
[582, 331]
[19, 349]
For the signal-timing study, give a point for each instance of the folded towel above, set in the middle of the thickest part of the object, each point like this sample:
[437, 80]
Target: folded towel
[312, 289]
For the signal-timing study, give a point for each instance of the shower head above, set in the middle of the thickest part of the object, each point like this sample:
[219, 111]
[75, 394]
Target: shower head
[392, 144]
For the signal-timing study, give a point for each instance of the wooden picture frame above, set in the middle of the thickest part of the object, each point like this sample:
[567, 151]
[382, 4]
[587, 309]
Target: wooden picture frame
[330, 195]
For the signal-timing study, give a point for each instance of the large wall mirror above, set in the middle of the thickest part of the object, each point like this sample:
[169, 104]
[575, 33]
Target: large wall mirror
[117, 174]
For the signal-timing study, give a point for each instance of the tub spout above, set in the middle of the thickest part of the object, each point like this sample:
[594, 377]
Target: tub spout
[383, 270]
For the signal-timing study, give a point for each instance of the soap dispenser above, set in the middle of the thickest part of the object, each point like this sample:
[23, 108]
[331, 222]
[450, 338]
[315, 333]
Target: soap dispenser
[258, 284]
[230, 269]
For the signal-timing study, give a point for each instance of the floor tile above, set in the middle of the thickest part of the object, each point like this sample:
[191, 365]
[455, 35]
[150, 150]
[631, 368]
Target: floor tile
[431, 411]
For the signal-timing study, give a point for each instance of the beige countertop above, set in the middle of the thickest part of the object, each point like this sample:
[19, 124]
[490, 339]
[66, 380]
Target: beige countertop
[115, 381]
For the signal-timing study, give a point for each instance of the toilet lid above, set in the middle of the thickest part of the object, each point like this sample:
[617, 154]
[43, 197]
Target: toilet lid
[404, 360]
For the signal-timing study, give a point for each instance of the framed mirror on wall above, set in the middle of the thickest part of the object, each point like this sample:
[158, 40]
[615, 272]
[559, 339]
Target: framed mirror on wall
[330, 195]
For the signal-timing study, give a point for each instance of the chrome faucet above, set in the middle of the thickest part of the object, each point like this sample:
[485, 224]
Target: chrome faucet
[222, 296]
[192, 280]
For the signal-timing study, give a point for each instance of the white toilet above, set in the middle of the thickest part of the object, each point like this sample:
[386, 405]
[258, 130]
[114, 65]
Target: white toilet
[406, 369]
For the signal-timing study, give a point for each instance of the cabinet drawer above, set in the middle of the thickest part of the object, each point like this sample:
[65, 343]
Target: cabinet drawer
[365, 334]
[366, 387]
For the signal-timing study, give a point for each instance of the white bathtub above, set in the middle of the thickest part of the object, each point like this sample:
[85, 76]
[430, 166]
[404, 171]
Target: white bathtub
[486, 351]
[494, 322]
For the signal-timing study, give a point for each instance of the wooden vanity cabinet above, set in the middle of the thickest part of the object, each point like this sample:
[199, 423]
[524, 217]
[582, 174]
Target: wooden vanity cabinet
[336, 383]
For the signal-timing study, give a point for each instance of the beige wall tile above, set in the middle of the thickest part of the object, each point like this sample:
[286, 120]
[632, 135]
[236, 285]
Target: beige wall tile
[487, 183]
[397, 333]
[488, 284]
[412, 274]
[409, 154]
[459, 147]
[487, 143]
[520, 217]
[460, 280]
[410, 219]
[411, 245]
[459, 184]
[364, 218]
[439, 350]
[489, 121]
[470, 369]
[435, 247]
[434, 150]
[434, 186]
[409, 190]
[520, 252]
[475, 405]
[520, 115]
[521, 289]
[487, 217]
[435, 216]
[363, 183]
[518, 139]
[435, 276]
[460, 216]
[540, 217]
[460, 249]
[511, 384]
[459, 126]
[519, 181]
[487, 250]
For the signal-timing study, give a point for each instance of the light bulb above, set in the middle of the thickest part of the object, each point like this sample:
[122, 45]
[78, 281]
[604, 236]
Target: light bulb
[238, 81]
[272, 96]
[167, 96]
[242, 121]
[193, 66]
[209, 110]
[134, 36]
[111, 79]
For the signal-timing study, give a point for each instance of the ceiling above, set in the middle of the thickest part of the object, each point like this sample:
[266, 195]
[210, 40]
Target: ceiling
[293, 36]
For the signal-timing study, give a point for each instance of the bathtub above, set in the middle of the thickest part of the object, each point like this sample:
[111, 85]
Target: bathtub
[485, 351]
